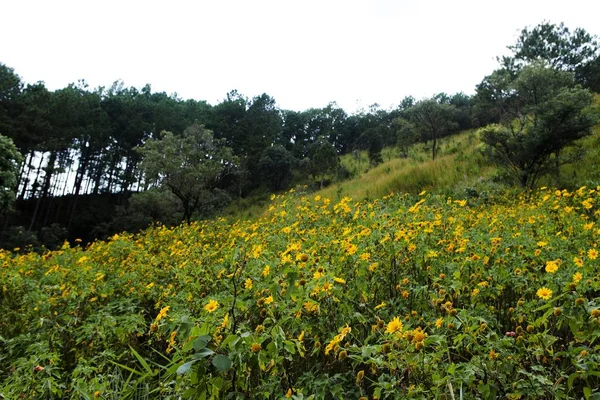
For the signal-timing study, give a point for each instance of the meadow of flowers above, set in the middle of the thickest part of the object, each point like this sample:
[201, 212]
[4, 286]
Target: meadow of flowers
[403, 297]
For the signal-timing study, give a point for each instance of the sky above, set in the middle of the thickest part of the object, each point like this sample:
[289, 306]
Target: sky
[303, 53]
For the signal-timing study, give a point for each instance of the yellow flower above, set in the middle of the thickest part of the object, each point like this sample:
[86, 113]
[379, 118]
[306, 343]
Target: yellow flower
[577, 277]
[301, 336]
[339, 280]
[578, 261]
[162, 313]
[269, 300]
[171, 341]
[551, 266]
[419, 335]
[266, 270]
[383, 304]
[345, 330]
[592, 254]
[256, 251]
[211, 306]
[544, 293]
[395, 325]
[255, 347]
[351, 248]
[439, 322]
[248, 284]
[311, 307]
[492, 355]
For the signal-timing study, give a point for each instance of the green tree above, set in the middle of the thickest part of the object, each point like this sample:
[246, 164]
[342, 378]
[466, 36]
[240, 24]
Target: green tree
[323, 159]
[574, 51]
[10, 91]
[433, 120]
[191, 165]
[372, 141]
[547, 113]
[406, 134]
[10, 160]
[276, 167]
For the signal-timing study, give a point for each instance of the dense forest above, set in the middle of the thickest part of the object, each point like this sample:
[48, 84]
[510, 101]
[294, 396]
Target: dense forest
[91, 162]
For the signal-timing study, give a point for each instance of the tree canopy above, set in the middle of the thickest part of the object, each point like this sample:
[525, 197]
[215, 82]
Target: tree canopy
[191, 165]
[545, 113]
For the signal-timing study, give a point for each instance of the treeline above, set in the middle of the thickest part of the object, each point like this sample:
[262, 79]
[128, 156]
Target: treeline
[79, 142]
[83, 148]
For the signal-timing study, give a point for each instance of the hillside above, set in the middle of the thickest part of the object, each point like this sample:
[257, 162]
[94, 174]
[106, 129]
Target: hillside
[459, 171]
[412, 296]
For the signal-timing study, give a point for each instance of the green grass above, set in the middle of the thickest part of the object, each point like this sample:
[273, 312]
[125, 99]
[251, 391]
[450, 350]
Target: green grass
[459, 169]
[458, 166]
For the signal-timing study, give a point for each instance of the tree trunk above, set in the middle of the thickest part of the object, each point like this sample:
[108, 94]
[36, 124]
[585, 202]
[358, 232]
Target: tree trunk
[45, 188]
[26, 182]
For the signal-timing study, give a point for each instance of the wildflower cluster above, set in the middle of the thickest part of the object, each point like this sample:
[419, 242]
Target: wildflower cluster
[430, 293]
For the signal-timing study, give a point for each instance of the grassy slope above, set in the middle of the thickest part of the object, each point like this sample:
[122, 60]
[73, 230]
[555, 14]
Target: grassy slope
[459, 166]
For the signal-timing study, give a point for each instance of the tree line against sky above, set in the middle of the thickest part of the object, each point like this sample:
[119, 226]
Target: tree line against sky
[78, 142]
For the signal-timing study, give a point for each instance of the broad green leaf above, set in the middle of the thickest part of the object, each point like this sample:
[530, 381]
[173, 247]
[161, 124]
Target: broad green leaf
[221, 362]
[185, 368]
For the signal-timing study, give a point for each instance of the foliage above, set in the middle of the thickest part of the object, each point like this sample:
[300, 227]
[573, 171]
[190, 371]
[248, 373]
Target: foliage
[276, 167]
[323, 159]
[157, 206]
[544, 114]
[411, 296]
[573, 51]
[434, 120]
[406, 134]
[10, 160]
[190, 166]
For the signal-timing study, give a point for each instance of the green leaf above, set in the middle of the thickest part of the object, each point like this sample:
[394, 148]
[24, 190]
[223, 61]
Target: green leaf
[587, 392]
[185, 368]
[230, 340]
[200, 342]
[289, 346]
[145, 365]
[221, 362]
[203, 353]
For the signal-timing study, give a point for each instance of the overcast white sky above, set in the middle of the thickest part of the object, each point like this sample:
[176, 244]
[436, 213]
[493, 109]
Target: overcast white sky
[303, 53]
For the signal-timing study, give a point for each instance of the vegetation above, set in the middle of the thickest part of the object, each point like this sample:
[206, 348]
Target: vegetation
[544, 114]
[402, 265]
[190, 166]
[10, 158]
[411, 295]
[82, 162]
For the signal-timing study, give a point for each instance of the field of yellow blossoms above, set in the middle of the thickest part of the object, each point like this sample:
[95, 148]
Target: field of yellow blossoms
[402, 297]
